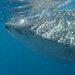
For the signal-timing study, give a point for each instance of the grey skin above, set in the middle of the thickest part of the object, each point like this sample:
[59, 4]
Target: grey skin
[51, 34]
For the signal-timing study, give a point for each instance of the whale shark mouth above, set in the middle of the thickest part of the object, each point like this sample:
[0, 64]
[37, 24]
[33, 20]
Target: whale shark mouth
[8, 29]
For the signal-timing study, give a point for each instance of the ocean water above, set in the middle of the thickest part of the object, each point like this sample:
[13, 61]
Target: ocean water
[16, 59]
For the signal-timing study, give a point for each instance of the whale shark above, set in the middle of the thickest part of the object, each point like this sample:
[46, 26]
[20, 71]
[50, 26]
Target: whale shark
[50, 33]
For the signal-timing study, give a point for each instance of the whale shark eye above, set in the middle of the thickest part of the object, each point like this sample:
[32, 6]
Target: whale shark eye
[19, 31]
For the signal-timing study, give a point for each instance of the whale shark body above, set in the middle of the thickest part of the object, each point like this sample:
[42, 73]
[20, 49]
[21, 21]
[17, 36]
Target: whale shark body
[50, 33]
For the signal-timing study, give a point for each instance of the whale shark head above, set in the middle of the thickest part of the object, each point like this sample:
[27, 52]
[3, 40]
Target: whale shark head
[20, 26]
[16, 26]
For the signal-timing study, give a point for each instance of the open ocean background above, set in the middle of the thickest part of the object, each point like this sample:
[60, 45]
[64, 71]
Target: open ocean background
[16, 59]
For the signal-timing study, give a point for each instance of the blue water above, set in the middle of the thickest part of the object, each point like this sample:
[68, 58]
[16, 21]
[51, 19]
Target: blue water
[16, 59]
